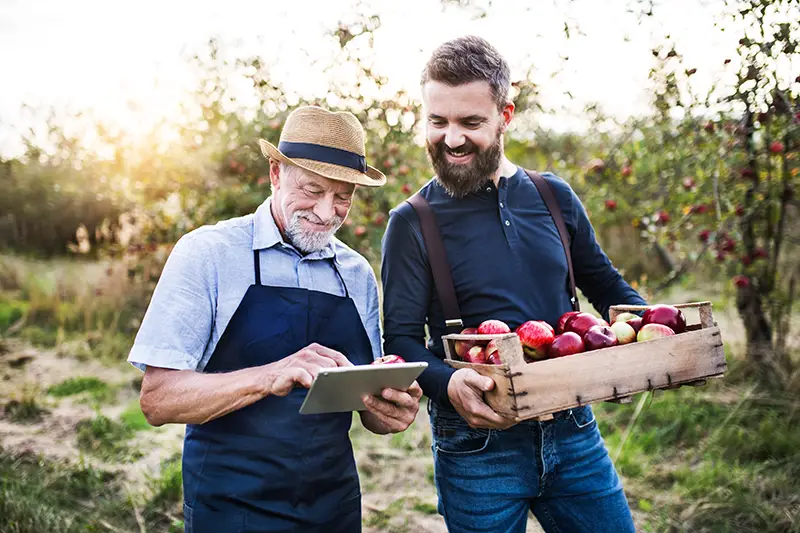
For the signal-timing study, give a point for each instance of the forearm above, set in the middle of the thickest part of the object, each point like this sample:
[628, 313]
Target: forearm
[188, 397]
[611, 289]
[435, 378]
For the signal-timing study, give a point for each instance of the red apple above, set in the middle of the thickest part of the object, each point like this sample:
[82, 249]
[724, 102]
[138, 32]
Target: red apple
[462, 347]
[581, 323]
[568, 343]
[388, 360]
[476, 354]
[493, 353]
[741, 281]
[667, 315]
[709, 127]
[776, 147]
[624, 317]
[611, 205]
[635, 323]
[602, 322]
[653, 331]
[662, 217]
[406, 189]
[563, 319]
[624, 332]
[490, 327]
[536, 337]
[599, 337]
[704, 235]
[626, 171]
[688, 183]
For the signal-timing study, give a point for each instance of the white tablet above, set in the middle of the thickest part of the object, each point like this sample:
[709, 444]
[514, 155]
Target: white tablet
[340, 389]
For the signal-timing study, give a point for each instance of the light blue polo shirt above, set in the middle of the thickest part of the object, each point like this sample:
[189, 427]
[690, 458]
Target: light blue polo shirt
[210, 269]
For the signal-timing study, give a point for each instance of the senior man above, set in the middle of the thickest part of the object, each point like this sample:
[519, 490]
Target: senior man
[245, 314]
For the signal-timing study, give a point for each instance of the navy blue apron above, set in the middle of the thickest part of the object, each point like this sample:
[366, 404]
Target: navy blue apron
[266, 467]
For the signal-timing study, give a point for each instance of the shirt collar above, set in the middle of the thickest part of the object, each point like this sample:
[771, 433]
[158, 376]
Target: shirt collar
[266, 233]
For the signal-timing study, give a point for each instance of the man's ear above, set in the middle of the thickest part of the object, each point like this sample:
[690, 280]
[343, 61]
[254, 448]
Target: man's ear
[275, 173]
[508, 115]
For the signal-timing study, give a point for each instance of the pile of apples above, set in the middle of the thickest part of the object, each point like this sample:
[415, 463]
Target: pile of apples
[576, 332]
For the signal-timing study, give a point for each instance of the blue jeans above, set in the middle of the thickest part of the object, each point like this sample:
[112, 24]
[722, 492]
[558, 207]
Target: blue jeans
[560, 470]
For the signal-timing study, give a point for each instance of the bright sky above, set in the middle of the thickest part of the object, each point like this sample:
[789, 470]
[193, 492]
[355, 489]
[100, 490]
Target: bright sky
[100, 55]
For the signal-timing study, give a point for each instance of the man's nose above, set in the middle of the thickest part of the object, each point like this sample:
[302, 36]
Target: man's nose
[454, 137]
[324, 209]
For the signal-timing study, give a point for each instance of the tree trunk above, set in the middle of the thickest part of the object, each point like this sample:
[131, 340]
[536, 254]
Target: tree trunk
[771, 366]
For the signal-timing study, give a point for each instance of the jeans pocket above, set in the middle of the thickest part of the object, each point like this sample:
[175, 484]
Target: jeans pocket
[582, 417]
[459, 438]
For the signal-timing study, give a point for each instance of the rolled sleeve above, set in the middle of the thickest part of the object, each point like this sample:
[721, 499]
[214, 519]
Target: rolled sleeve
[178, 322]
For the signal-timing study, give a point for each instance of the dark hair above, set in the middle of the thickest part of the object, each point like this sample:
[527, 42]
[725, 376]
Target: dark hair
[467, 59]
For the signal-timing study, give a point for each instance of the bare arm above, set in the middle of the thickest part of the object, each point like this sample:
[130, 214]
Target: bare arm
[189, 397]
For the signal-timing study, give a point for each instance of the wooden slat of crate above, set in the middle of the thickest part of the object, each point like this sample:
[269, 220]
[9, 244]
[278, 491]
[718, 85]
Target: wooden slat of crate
[703, 308]
[508, 344]
[557, 384]
[502, 398]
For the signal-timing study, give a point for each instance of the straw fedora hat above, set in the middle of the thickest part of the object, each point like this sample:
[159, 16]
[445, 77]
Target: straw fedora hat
[325, 143]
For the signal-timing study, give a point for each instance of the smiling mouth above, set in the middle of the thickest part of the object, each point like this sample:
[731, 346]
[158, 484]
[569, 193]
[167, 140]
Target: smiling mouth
[458, 155]
[316, 226]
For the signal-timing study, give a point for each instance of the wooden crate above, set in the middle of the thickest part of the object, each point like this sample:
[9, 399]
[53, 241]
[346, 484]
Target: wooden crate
[536, 390]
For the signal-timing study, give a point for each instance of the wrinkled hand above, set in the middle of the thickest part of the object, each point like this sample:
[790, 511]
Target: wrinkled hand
[301, 368]
[466, 390]
[395, 409]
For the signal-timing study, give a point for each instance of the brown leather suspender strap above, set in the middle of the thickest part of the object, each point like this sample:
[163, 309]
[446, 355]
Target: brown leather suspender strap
[437, 257]
[549, 197]
[440, 268]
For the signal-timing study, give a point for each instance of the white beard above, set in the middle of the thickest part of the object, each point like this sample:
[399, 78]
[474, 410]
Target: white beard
[309, 241]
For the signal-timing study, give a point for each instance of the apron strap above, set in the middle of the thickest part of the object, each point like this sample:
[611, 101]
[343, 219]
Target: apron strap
[346, 293]
[257, 266]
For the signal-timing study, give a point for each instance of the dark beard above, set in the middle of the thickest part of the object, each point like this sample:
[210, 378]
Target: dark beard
[461, 180]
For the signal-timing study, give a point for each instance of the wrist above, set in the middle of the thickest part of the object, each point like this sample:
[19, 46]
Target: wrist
[264, 378]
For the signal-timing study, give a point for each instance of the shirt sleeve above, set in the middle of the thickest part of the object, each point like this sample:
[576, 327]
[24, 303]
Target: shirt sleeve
[595, 275]
[407, 287]
[178, 322]
[373, 320]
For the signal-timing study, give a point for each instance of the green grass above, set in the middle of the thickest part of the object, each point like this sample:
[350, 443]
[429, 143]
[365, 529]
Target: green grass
[24, 408]
[133, 418]
[10, 312]
[167, 488]
[39, 496]
[78, 385]
[23, 411]
[45, 337]
[105, 438]
[696, 463]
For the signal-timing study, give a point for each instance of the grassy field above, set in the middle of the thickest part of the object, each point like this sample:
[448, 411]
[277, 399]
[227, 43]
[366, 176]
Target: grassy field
[77, 455]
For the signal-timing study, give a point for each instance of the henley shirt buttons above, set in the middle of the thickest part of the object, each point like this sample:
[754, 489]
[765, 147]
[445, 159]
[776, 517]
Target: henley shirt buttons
[501, 204]
[508, 223]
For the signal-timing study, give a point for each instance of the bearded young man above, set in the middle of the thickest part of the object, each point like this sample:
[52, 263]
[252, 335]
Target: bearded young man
[244, 316]
[507, 262]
